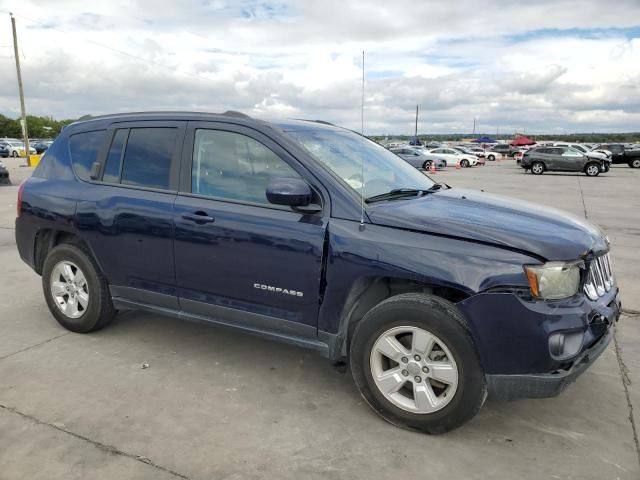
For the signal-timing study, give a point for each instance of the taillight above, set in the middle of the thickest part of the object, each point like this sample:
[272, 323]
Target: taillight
[19, 204]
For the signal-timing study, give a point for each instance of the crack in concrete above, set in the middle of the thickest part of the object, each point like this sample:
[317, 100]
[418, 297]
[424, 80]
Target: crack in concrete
[102, 446]
[584, 206]
[626, 381]
[33, 346]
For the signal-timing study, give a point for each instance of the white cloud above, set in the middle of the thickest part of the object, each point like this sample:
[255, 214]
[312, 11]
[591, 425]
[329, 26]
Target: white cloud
[544, 65]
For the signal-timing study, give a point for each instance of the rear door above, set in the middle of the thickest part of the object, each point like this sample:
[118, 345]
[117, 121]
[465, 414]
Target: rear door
[127, 214]
[240, 259]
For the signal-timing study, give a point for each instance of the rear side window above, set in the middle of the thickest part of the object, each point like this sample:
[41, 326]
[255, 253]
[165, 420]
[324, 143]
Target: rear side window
[147, 157]
[84, 148]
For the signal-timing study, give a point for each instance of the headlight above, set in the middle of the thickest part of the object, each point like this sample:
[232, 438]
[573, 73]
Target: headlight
[554, 280]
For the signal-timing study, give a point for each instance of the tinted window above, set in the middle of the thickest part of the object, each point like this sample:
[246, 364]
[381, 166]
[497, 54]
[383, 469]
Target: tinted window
[112, 167]
[234, 166]
[84, 149]
[147, 157]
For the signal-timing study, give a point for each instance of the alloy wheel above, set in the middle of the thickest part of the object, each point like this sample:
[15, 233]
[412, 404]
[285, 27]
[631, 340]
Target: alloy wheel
[414, 369]
[69, 289]
[593, 170]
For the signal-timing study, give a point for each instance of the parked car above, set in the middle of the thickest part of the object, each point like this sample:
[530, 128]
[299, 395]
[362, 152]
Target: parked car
[560, 159]
[604, 156]
[42, 146]
[501, 148]
[16, 149]
[418, 159]
[432, 295]
[453, 156]
[4, 175]
[477, 151]
[619, 154]
[4, 150]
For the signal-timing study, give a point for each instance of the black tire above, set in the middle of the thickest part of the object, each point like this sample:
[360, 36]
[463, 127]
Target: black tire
[440, 318]
[592, 169]
[606, 167]
[426, 165]
[635, 163]
[537, 168]
[14, 154]
[464, 163]
[491, 158]
[99, 311]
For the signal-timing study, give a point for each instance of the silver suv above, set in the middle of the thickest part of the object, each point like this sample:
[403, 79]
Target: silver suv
[560, 159]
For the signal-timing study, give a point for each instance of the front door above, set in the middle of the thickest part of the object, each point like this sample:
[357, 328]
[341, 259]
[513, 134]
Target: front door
[240, 259]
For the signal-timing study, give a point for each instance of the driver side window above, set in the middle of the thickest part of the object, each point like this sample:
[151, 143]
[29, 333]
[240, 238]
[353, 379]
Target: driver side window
[233, 166]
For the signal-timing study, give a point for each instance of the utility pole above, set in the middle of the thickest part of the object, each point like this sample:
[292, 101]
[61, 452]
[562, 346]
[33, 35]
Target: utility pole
[415, 137]
[25, 133]
[474, 126]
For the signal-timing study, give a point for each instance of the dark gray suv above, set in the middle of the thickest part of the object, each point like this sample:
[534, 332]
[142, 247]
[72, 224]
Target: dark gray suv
[559, 159]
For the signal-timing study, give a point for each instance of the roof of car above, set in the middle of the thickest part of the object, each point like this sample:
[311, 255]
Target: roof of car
[230, 115]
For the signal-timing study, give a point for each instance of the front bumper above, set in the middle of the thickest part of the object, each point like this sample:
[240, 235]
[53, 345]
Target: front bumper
[511, 387]
[512, 334]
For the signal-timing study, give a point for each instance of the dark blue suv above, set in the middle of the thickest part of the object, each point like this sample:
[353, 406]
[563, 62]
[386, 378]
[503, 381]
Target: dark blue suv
[311, 234]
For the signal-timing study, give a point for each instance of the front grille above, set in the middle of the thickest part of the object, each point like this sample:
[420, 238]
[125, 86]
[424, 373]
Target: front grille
[599, 278]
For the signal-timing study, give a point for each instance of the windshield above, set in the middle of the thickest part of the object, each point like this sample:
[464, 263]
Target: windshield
[343, 151]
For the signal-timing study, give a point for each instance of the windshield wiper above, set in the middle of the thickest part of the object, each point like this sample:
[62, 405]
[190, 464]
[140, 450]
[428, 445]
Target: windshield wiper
[396, 193]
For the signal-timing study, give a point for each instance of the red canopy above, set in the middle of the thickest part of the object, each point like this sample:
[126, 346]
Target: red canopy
[522, 140]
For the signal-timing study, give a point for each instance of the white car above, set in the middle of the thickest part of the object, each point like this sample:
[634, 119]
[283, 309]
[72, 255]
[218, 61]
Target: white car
[599, 154]
[16, 148]
[452, 157]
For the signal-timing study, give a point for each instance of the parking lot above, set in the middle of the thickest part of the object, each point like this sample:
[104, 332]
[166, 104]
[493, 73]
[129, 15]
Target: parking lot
[218, 404]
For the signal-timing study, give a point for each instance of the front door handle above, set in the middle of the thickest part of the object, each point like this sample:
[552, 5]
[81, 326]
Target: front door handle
[198, 217]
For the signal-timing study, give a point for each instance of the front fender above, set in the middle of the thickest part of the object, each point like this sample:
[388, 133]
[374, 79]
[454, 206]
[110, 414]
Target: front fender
[355, 255]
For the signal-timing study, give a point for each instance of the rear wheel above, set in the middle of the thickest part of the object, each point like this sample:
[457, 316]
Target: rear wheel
[414, 361]
[464, 163]
[635, 163]
[592, 170]
[75, 290]
[427, 164]
[491, 157]
[14, 154]
[537, 168]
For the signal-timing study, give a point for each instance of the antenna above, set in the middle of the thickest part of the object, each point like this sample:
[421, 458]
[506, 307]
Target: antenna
[362, 159]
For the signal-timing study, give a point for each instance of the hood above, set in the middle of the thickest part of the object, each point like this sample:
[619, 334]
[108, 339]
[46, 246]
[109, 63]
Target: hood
[544, 232]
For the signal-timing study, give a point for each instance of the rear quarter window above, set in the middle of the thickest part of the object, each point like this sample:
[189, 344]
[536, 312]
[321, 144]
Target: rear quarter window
[84, 148]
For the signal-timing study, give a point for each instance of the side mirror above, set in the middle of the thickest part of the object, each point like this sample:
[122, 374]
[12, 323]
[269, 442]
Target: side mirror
[293, 192]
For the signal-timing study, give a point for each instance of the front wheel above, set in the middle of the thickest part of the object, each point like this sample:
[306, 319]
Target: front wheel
[14, 154]
[464, 163]
[427, 165]
[415, 364]
[592, 170]
[75, 290]
[635, 163]
[491, 158]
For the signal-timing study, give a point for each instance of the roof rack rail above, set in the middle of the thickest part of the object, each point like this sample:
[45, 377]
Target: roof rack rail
[233, 113]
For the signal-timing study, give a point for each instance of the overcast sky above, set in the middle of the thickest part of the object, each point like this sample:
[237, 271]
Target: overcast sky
[545, 66]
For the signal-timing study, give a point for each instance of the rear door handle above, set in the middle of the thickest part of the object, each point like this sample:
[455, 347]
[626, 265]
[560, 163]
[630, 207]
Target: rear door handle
[198, 217]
